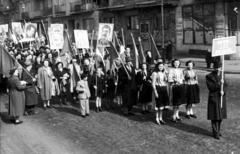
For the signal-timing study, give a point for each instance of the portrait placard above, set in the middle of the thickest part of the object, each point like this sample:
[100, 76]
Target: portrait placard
[81, 39]
[105, 33]
[55, 33]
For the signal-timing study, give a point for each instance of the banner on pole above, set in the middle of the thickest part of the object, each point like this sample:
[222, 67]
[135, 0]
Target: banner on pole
[224, 46]
[30, 32]
[3, 32]
[81, 39]
[105, 33]
[55, 33]
[17, 30]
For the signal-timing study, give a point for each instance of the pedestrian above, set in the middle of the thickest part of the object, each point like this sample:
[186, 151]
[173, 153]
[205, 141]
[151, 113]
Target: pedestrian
[45, 83]
[176, 79]
[216, 111]
[16, 96]
[159, 84]
[192, 89]
[126, 77]
[144, 83]
[83, 95]
[99, 86]
[31, 91]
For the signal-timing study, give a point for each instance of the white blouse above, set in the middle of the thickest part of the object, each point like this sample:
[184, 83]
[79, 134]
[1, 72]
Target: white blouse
[159, 79]
[176, 76]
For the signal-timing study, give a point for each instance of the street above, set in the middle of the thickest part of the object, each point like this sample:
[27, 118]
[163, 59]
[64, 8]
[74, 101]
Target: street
[61, 130]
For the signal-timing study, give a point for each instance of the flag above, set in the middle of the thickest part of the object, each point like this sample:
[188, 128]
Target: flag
[6, 62]
[66, 46]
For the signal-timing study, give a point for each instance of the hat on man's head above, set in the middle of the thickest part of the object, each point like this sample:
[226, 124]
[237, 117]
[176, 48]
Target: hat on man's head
[217, 65]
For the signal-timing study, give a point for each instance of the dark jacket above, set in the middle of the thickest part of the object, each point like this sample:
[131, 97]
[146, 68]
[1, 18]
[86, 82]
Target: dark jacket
[215, 112]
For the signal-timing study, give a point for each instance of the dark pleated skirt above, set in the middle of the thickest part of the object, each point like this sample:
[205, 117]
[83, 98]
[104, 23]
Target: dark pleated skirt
[145, 96]
[163, 98]
[178, 95]
[192, 94]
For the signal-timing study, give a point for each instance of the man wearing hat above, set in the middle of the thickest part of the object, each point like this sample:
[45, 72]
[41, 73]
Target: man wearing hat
[216, 111]
[127, 80]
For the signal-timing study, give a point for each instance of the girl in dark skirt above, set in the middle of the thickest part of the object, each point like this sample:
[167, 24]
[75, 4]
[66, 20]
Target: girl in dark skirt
[176, 79]
[192, 89]
[159, 84]
[144, 84]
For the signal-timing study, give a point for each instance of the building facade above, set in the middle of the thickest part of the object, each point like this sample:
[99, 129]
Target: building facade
[189, 24]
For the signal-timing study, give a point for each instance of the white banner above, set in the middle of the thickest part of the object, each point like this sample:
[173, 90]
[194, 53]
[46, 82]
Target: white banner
[81, 39]
[55, 33]
[3, 32]
[17, 30]
[105, 33]
[224, 46]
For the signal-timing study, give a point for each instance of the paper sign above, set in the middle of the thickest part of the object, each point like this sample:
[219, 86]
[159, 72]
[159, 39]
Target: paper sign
[17, 30]
[55, 33]
[224, 46]
[81, 39]
[30, 30]
[105, 33]
[3, 32]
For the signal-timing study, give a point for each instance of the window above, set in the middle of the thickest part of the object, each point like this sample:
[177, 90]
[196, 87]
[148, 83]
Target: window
[88, 24]
[108, 20]
[132, 22]
[198, 23]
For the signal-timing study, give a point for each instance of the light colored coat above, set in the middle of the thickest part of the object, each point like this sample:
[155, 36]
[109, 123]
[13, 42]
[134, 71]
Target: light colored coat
[83, 89]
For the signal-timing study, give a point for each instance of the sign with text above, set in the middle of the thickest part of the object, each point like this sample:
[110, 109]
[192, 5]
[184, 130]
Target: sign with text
[105, 33]
[81, 39]
[55, 33]
[224, 46]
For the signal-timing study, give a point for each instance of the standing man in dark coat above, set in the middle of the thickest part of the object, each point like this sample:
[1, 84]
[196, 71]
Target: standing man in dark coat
[129, 87]
[216, 112]
[31, 95]
[16, 96]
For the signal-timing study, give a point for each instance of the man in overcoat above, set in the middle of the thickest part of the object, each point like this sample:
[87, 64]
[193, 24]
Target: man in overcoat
[216, 111]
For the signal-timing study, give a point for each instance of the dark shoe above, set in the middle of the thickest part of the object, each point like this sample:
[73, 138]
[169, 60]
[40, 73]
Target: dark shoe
[49, 106]
[216, 136]
[179, 119]
[131, 114]
[220, 134]
[83, 116]
[193, 116]
[188, 116]
[18, 122]
[100, 109]
[87, 115]
[162, 122]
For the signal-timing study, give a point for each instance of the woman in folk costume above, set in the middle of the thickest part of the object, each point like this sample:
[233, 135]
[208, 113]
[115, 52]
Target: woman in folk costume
[16, 96]
[176, 79]
[192, 89]
[159, 84]
[45, 80]
[99, 86]
[144, 83]
[217, 111]
[62, 75]
[31, 92]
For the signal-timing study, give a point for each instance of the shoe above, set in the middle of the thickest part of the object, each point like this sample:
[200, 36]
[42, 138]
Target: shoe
[17, 122]
[220, 134]
[179, 119]
[87, 115]
[216, 136]
[49, 106]
[100, 109]
[83, 116]
[157, 122]
[188, 116]
[174, 120]
[162, 122]
[193, 116]
[131, 114]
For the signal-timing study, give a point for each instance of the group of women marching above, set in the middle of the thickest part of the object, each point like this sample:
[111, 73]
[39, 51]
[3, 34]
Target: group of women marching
[46, 77]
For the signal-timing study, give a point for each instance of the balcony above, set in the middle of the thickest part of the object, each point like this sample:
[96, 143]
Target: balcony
[60, 10]
[78, 7]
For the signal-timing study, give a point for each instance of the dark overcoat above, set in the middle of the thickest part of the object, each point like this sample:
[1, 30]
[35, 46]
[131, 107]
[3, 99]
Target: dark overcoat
[16, 97]
[31, 95]
[215, 112]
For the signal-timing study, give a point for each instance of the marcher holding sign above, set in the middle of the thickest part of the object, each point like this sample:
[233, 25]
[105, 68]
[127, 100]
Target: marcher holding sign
[81, 39]
[217, 110]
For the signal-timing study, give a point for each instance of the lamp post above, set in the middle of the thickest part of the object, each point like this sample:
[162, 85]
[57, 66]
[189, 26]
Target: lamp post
[162, 13]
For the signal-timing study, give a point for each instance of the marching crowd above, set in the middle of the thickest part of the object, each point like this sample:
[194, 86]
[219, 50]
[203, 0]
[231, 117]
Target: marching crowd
[80, 78]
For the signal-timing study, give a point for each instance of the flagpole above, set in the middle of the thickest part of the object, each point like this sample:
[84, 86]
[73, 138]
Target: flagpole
[154, 44]
[141, 48]
[222, 80]
[123, 38]
[136, 52]
[45, 33]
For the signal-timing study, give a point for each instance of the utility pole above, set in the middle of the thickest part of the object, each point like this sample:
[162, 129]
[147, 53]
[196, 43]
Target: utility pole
[162, 13]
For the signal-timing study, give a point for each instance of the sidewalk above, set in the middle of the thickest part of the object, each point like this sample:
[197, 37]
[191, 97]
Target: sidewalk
[231, 66]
